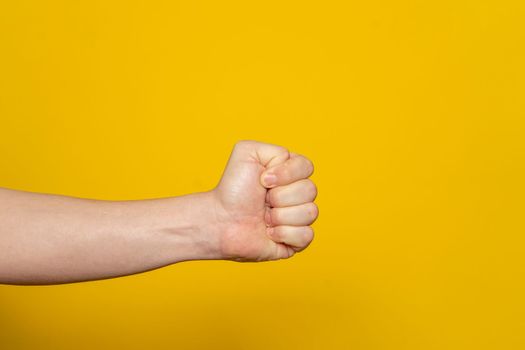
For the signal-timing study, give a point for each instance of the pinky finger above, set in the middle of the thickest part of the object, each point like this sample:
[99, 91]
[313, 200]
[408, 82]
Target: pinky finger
[298, 237]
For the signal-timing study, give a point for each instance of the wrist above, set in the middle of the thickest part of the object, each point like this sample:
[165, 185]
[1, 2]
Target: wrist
[194, 231]
[170, 230]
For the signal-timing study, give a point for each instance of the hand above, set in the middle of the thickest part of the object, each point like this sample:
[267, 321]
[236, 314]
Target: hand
[264, 203]
[260, 210]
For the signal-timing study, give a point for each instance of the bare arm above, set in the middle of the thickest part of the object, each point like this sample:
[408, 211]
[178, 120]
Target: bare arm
[58, 239]
[48, 239]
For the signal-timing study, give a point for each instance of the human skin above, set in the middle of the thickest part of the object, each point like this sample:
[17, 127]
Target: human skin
[53, 239]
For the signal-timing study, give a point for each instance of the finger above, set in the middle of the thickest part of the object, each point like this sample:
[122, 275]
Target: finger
[282, 251]
[299, 215]
[296, 168]
[267, 154]
[259, 155]
[299, 192]
[298, 237]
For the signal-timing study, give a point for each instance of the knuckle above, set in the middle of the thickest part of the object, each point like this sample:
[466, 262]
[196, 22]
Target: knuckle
[286, 152]
[283, 150]
[312, 189]
[309, 166]
[313, 210]
[308, 236]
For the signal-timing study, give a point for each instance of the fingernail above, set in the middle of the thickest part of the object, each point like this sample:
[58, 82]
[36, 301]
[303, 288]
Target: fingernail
[270, 179]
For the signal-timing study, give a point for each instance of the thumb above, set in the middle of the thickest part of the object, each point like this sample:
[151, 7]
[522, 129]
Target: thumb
[266, 154]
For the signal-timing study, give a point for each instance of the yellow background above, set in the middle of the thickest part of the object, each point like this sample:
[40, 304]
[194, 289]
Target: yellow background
[412, 111]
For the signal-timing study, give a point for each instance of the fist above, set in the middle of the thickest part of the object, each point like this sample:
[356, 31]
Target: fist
[264, 203]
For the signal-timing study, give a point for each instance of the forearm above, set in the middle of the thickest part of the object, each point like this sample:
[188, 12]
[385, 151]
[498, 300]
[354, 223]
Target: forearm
[48, 239]
[261, 210]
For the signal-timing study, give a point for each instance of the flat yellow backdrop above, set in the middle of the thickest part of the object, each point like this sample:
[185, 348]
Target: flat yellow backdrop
[412, 111]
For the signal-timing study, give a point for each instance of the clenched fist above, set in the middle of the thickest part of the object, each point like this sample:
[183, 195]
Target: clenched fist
[263, 203]
[261, 209]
